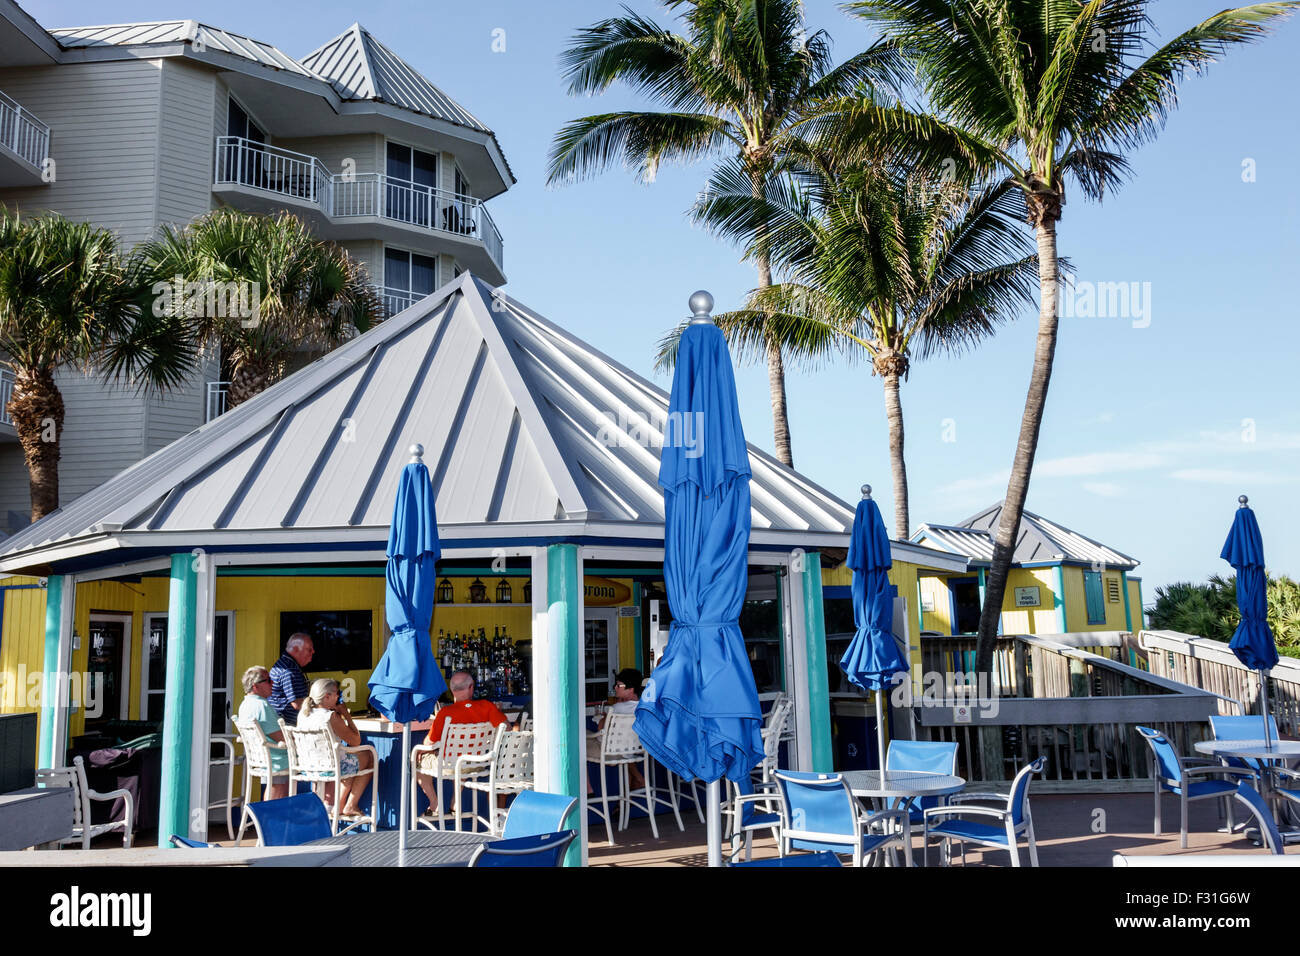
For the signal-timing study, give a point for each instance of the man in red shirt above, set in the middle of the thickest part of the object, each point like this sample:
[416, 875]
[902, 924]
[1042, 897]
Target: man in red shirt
[463, 709]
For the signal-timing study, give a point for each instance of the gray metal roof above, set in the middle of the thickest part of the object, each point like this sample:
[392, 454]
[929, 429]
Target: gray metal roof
[359, 67]
[522, 422]
[198, 35]
[1040, 540]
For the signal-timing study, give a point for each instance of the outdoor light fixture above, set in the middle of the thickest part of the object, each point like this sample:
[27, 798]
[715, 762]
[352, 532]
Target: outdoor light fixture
[478, 592]
[528, 591]
[445, 593]
[503, 592]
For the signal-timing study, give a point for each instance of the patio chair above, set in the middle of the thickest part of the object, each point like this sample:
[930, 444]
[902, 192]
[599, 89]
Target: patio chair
[929, 756]
[180, 841]
[509, 771]
[1014, 820]
[819, 812]
[226, 757]
[543, 849]
[1269, 836]
[618, 746]
[1248, 727]
[439, 761]
[748, 811]
[533, 813]
[314, 758]
[1173, 774]
[824, 858]
[773, 733]
[290, 821]
[83, 831]
[257, 763]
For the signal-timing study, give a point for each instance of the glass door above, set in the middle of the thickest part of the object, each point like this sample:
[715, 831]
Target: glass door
[108, 670]
[153, 679]
[599, 654]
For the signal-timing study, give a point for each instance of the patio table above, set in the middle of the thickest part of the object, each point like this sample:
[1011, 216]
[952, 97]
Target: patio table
[1259, 750]
[901, 784]
[423, 847]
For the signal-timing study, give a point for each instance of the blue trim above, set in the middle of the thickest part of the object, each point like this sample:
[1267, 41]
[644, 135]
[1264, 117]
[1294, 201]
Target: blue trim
[837, 591]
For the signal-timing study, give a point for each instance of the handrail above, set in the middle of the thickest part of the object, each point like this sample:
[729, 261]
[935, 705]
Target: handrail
[6, 393]
[22, 132]
[346, 196]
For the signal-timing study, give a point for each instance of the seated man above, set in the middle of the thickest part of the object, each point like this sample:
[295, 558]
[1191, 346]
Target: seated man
[627, 694]
[463, 709]
[256, 707]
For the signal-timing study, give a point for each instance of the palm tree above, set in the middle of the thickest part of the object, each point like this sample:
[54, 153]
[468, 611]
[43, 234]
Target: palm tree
[890, 266]
[69, 297]
[739, 83]
[1045, 91]
[306, 292]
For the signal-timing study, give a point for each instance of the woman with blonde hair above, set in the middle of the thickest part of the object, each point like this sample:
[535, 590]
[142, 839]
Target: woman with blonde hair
[322, 708]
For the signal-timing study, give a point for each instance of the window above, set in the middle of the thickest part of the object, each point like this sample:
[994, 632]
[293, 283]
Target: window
[408, 277]
[1112, 590]
[1094, 598]
[412, 181]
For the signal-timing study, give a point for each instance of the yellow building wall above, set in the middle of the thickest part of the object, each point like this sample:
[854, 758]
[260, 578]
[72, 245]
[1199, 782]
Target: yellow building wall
[1076, 606]
[1135, 604]
[22, 644]
[1030, 620]
[935, 590]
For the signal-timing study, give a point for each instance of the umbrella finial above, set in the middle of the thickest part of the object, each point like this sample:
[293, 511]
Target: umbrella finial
[866, 491]
[417, 454]
[1241, 501]
[701, 305]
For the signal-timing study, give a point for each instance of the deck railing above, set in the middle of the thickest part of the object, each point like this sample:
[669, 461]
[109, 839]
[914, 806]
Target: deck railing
[1077, 707]
[23, 133]
[299, 176]
[395, 300]
[218, 394]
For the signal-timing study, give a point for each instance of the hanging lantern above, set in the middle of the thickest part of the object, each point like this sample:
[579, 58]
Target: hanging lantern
[446, 595]
[503, 592]
[528, 591]
[478, 592]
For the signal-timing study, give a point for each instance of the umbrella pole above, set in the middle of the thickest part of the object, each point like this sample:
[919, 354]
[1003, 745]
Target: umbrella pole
[880, 733]
[403, 809]
[715, 822]
[1263, 698]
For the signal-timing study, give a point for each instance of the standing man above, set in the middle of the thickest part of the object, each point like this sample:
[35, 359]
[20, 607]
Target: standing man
[290, 685]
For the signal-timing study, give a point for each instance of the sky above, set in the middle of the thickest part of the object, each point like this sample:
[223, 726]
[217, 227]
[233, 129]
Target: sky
[1155, 421]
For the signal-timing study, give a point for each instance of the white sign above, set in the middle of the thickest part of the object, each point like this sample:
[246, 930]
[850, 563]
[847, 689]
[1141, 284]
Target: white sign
[1027, 597]
[927, 603]
[961, 714]
[634, 611]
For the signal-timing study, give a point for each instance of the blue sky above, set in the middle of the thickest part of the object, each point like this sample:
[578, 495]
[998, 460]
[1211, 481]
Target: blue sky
[1153, 427]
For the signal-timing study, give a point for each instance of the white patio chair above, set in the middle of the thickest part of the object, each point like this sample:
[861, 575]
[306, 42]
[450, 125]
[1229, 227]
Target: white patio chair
[774, 731]
[439, 762]
[314, 757]
[83, 831]
[618, 746]
[230, 760]
[257, 763]
[1013, 820]
[510, 770]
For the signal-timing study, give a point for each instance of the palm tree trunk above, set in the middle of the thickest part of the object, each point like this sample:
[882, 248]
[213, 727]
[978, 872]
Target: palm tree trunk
[1018, 487]
[775, 361]
[36, 408]
[247, 380]
[897, 464]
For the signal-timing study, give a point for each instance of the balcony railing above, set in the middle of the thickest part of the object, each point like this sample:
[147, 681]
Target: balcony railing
[216, 405]
[23, 133]
[6, 393]
[299, 176]
[395, 300]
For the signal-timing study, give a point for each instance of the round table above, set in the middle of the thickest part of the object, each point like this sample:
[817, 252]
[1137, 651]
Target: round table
[901, 784]
[1258, 750]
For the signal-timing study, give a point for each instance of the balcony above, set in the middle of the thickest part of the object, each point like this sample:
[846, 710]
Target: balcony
[262, 178]
[24, 145]
[216, 403]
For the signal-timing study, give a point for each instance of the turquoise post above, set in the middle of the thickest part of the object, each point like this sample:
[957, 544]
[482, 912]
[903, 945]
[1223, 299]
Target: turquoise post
[1128, 611]
[568, 756]
[178, 706]
[819, 697]
[1142, 620]
[1060, 599]
[51, 754]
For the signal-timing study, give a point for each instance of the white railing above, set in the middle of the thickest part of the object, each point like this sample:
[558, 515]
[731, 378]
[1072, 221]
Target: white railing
[216, 405]
[6, 393]
[243, 162]
[23, 133]
[395, 300]
[280, 171]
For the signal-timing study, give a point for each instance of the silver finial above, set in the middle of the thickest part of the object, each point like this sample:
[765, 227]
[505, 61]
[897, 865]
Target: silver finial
[1241, 501]
[866, 491]
[701, 305]
[417, 454]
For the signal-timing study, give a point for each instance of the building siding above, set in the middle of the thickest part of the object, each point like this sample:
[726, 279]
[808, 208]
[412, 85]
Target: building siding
[186, 149]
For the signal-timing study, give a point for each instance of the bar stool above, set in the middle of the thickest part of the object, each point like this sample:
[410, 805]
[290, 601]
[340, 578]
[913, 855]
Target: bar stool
[618, 746]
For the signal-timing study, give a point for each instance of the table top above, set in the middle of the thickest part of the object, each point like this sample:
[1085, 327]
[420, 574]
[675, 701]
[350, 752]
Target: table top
[902, 783]
[1249, 748]
[423, 847]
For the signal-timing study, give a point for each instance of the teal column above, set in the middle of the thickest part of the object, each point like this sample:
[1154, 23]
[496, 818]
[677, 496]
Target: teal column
[819, 697]
[178, 705]
[52, 752]
[1142, 613]
[1060, 599]
[1128, 612]
[638, 629]
[563, 665]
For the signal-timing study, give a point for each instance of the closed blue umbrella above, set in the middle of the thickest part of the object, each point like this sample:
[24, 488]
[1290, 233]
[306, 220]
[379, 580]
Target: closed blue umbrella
[406, 683]
[872, 659]
[1252, 642]
[699, 715]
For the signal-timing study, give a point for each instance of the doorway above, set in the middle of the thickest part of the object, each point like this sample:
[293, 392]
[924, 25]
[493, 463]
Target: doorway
[965, 594]
[153, 678]
[108, 670]
[600, 661]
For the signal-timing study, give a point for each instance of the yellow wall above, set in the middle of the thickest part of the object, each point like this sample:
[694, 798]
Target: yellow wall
[22, 643]
[1076, 606]
[1025, 620]
[1135, 604]
[935, 588]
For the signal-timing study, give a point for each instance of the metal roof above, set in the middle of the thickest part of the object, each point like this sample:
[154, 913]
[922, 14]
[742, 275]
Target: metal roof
[1040, 540]
[359, 67]
[198, 35]
[523, 424]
